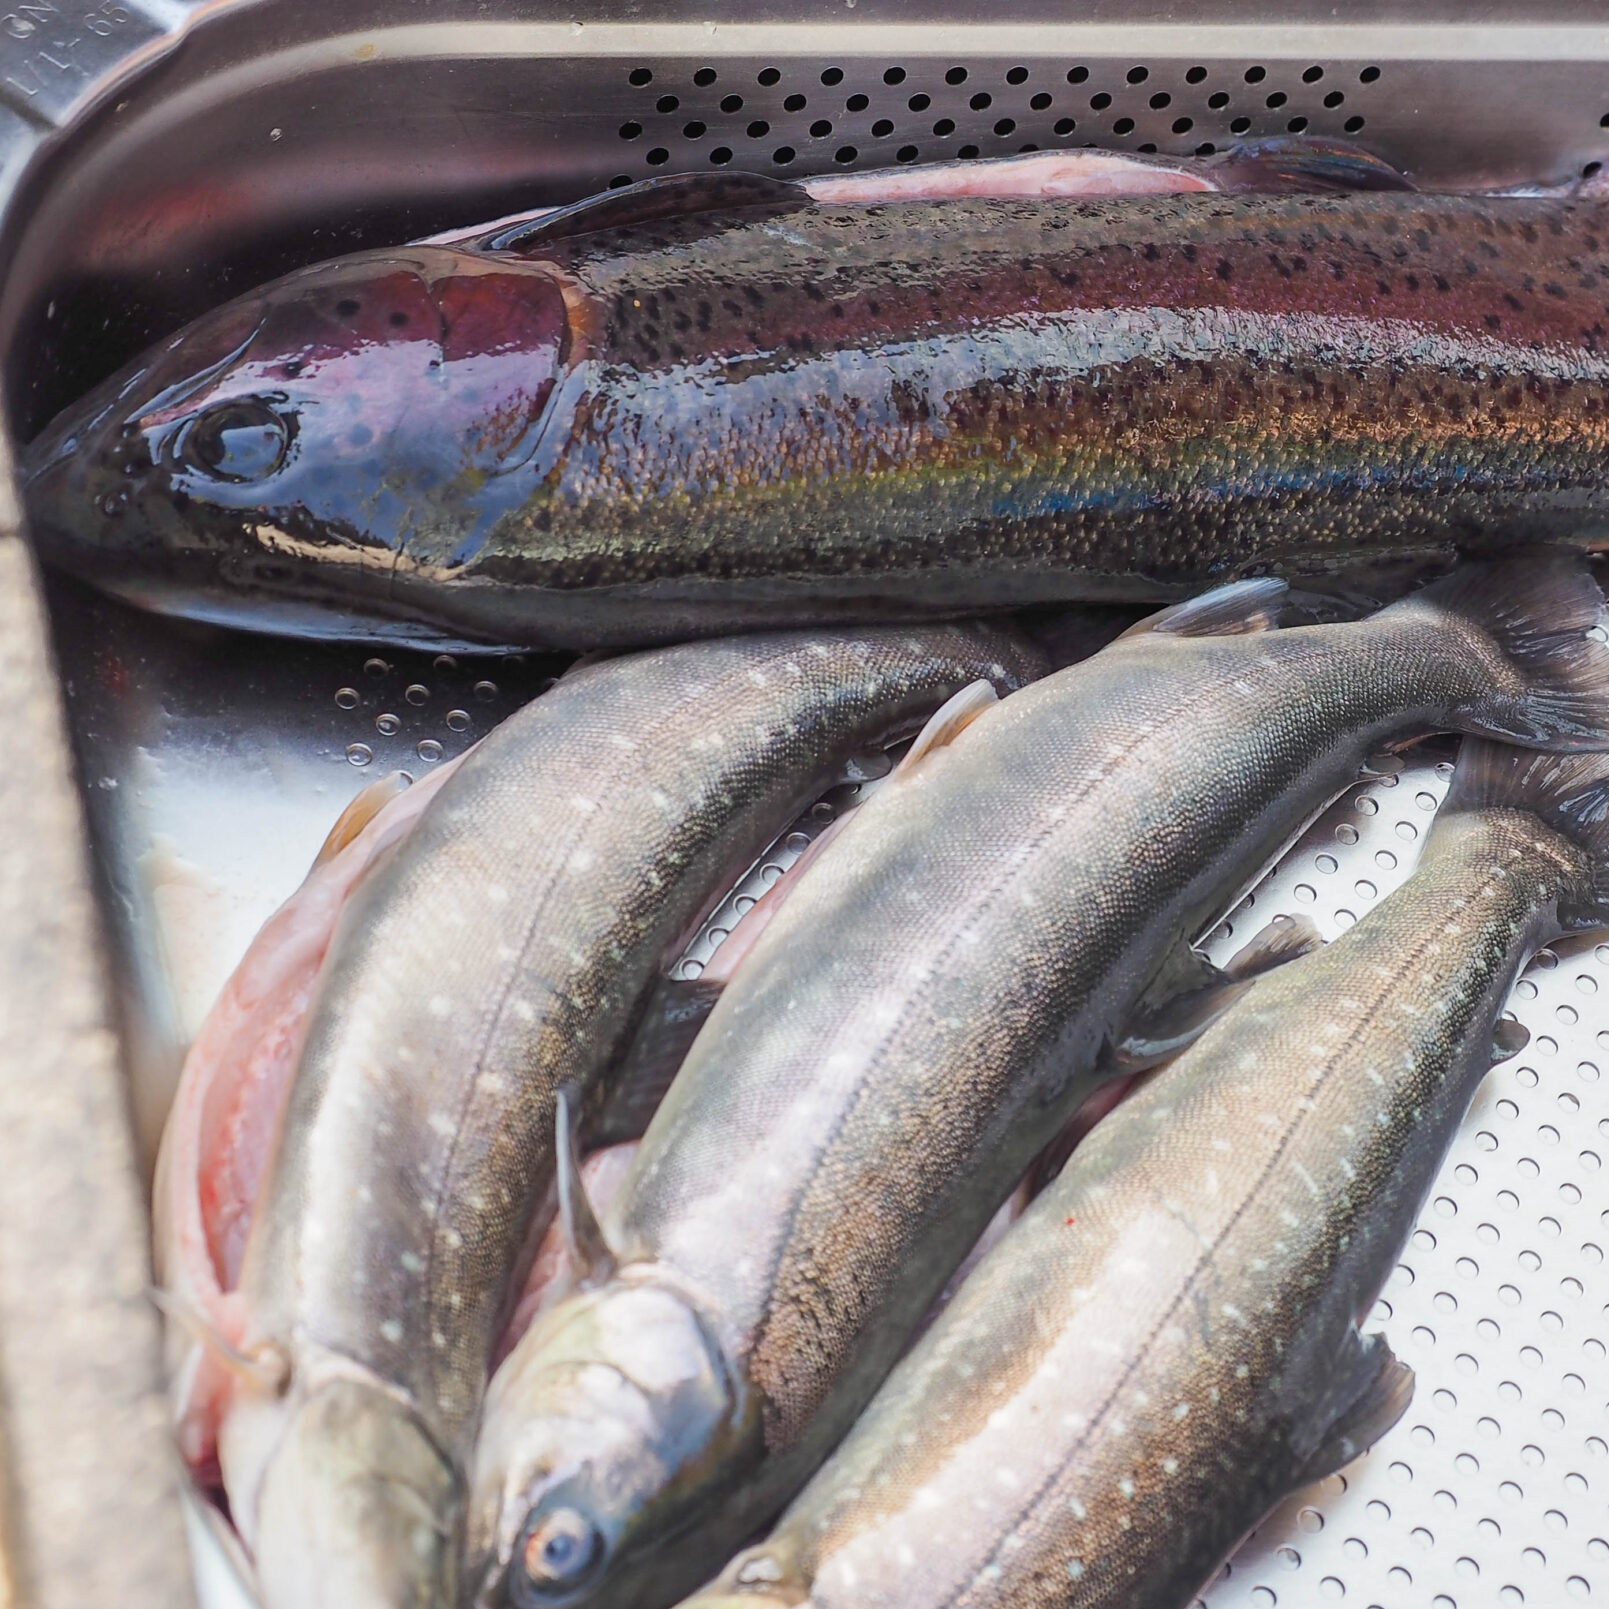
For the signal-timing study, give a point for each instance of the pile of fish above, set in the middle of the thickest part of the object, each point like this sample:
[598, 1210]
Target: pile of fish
[959, 1236]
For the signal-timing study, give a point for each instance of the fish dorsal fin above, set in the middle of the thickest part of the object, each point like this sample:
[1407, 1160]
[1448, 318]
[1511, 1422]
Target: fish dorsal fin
[264, 1366]
[1368, 1392]
[949, 721]
[365, 805]
[1228, 611]
[676, 195]
[1509, 1038]
[1305, 164]
[589, 1252]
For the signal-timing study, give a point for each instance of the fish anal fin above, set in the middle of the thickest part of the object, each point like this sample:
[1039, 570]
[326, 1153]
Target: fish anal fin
[670, 1023]
[1370, 1391]
[363, 807]
[1234, 610]
[948, 722]
[589, 1252]
[675, 195]
[1191, 994]
[1509, 1037]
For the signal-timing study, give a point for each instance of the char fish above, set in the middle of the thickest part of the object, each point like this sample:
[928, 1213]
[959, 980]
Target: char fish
[714, 404]
[1167, 1343]
[937, 996]
[502, 953]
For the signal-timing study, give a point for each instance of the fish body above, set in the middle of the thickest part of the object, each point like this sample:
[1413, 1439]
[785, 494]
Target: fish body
[1167, 1342]
[504, 952]
[922, 1015]
[663, 416]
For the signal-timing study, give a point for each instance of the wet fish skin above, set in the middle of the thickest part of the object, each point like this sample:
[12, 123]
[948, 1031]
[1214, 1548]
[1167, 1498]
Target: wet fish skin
[502, 953]
[807, 412]
[928, 1007]
[1166, 1344]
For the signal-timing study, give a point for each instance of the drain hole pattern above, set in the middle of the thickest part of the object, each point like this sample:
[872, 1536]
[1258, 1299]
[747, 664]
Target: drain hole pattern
[793, 119]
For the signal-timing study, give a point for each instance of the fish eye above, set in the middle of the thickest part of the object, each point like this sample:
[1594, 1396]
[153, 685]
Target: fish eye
[244, 440]
[558, 1553]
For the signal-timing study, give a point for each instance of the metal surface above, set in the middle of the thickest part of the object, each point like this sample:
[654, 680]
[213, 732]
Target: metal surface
[88, 1473]
[158, 155]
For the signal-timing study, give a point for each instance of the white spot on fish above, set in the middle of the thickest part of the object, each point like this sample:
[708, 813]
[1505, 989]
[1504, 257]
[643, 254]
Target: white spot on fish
[439, 1006]
[391, 1330]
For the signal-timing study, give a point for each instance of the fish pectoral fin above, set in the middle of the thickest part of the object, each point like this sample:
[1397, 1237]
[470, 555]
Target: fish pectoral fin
[1306, 164]
[1509, 1038]
[676, 195]
[364, 806]
[584, 1241]
[1190, 993]
[265, 1366]
[1234, 610]
[1284, 939]
[1370, 1392]
[948, 722]
[670, 1023]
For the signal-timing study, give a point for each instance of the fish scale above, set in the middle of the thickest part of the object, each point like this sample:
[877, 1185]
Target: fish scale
[917, 1021]
[503, 951]
[1160, 1348]
[792, 412]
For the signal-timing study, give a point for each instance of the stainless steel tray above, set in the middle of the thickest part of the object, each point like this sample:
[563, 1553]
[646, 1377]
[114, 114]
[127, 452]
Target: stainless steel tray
[158, 156]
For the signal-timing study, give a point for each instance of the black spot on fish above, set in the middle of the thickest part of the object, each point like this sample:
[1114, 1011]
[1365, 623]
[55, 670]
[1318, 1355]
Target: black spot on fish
[1383, 286]
[1553, 288]
[1488, 249]
[1411, 281]
[1493, 322]
[1190, 252]
[398, 319]
[1226, 270]
[1151, 254]
[1513, 301]
[347, 307]
[1441, 283]
[754, 296]
[1528, 232]
[360, 435]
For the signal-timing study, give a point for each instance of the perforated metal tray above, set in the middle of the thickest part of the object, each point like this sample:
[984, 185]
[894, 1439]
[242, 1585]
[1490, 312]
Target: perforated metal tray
[160, 155]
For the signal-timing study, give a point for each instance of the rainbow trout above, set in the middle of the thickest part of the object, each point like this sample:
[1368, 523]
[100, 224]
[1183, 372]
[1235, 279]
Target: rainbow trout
[706, 405]
[502, 953]
[1167, 1343]
[924, 1012]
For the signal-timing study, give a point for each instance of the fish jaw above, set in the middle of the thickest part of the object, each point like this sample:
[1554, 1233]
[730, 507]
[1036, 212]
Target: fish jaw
[355, 1506]
[590, 1427]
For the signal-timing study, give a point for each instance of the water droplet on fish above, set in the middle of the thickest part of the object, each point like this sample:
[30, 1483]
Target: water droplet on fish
[485, 691]
[458, 720]
[359, 753]
[376, 668]
[430, 751]
[416, 693]
[346, 698]
[388, 725]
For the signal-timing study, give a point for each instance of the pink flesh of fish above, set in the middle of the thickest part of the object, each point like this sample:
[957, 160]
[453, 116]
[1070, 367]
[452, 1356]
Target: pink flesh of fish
[230, 1096]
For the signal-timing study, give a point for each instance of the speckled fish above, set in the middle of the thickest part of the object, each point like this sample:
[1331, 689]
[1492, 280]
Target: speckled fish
[1167, 1343]
[501, 955]
[704, 405]
[937, 996]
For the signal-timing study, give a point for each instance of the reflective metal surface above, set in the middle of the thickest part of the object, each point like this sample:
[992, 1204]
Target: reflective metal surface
[159, 155]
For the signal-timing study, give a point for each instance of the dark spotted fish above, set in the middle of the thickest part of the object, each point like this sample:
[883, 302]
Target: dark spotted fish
[1167, 1343]
[705, 405]
[937, 996]
[504, 952]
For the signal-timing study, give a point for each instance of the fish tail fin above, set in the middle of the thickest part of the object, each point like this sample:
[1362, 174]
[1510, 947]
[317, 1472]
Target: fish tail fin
[1567, 792]
[1543, 614]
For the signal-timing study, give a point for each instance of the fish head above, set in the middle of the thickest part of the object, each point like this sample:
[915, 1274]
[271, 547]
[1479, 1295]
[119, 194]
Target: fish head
[357, 1506]
[605, 1425]
[286, 460]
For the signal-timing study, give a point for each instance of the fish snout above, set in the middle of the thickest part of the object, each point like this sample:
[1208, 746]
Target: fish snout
[359, 1508]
